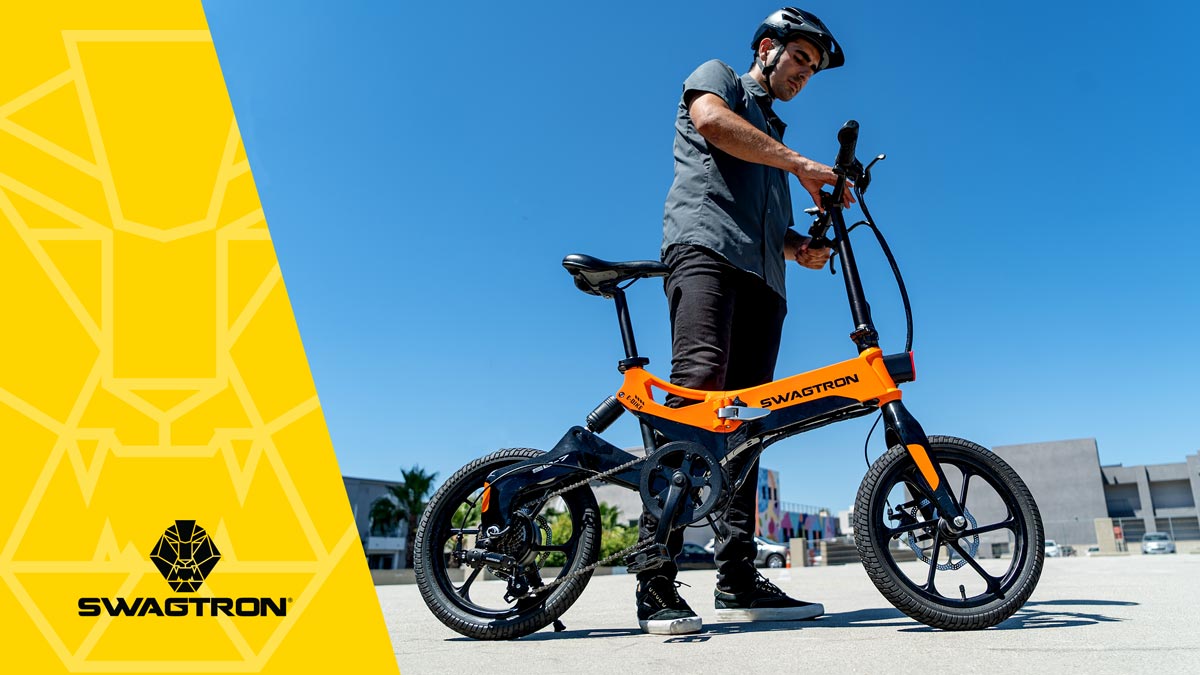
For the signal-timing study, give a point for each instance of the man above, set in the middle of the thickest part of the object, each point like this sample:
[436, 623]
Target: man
[726, 236]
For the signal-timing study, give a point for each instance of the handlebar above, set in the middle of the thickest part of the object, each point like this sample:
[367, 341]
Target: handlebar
[848, 138]
[848, 168]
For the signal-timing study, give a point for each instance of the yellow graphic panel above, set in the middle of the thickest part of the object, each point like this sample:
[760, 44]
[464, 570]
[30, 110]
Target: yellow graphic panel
[170, 500]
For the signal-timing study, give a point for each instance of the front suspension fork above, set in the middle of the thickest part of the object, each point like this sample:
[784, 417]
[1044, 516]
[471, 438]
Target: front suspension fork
[904, 429]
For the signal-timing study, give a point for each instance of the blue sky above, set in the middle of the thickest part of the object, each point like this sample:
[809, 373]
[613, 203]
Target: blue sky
[424, 170]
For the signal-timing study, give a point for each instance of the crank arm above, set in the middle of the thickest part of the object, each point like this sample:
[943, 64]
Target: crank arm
[680, 486]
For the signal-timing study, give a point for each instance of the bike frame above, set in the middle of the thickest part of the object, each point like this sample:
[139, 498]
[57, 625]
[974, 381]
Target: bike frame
[730, 423]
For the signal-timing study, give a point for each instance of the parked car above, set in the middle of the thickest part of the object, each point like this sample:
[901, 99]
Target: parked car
[770, 553]
[1052, 550]
[1066, 550]
[1157, 542]
[1093, 550]
[695, 557]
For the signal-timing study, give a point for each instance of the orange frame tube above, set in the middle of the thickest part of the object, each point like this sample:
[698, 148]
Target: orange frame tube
[864, 378]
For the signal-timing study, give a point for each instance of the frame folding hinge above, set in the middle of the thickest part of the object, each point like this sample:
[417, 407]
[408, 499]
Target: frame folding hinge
[741, 411]
[865, 335]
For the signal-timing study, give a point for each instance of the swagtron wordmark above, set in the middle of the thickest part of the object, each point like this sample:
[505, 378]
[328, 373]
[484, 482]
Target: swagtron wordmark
[807, 391]
[947, 531]
[185, 555]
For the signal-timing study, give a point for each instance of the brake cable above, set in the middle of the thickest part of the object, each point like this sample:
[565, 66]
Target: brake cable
[887, 252]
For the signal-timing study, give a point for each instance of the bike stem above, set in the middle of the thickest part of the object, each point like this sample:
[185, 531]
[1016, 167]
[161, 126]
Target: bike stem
[864, 336]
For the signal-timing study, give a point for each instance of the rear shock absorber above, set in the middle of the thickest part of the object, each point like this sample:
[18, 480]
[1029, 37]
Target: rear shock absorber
[604, 415]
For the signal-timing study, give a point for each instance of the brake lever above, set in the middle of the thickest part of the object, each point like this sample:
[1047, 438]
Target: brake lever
[865, 180]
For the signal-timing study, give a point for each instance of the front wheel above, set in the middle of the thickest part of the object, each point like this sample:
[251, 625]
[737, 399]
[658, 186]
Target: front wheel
[476, 599]
[968, 582]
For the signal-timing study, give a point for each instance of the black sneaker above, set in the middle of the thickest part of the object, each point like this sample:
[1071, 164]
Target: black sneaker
[661, 611]
[763, 602]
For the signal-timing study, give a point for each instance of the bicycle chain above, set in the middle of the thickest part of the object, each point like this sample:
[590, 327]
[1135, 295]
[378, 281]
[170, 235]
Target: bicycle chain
[624, 552]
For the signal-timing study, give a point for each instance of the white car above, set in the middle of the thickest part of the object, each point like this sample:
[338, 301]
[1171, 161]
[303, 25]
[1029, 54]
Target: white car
[1157, 542]
[1052, 550]
[770, 553]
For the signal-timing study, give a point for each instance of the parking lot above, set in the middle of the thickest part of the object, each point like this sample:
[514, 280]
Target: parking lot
[1099, 615]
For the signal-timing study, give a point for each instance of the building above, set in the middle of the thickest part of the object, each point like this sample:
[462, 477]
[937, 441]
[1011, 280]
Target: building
[385, 549]
[1073, 490]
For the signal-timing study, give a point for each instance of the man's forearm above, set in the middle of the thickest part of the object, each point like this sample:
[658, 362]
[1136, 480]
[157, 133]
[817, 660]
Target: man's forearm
[732, 134]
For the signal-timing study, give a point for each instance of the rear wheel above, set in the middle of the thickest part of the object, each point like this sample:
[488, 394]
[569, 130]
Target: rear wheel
[475, 599]
[970, 581]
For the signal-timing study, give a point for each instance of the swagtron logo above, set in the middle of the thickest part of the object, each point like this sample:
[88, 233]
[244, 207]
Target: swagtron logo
[185, 555]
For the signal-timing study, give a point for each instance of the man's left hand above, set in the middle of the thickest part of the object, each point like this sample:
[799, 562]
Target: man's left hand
[813, 259]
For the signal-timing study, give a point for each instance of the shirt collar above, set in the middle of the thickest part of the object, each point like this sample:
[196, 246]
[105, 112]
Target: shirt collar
[764, 101]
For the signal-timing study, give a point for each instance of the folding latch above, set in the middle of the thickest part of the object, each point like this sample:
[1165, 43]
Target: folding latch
[741, 412]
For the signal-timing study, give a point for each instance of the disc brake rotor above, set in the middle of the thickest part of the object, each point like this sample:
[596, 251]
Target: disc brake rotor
[923, 549]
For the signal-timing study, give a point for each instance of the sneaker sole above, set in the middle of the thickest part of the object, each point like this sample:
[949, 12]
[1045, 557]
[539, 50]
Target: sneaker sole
[772, 613]
[683, 626]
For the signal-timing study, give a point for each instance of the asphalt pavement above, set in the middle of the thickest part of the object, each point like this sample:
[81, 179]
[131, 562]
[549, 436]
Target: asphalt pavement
[1134, 614]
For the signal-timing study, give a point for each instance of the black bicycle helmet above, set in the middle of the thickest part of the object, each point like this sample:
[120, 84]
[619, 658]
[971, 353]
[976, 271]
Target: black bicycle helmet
[790, 23]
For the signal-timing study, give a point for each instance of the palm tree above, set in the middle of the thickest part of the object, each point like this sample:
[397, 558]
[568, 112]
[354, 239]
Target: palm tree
[609, 515]
[404, 502]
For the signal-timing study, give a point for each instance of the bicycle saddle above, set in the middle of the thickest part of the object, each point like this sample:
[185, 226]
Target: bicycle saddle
[595, 276]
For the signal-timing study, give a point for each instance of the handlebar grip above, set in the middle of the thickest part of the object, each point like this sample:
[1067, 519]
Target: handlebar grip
[848, 138]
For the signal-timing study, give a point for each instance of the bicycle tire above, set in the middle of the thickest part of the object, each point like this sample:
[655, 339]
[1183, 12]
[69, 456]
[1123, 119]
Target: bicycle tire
[1005, 594]
[456, 610]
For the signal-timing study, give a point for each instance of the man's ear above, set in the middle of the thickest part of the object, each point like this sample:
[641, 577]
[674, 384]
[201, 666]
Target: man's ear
[765, 46]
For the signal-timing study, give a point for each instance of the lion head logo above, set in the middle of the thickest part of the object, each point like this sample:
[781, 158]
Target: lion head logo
[185, 555]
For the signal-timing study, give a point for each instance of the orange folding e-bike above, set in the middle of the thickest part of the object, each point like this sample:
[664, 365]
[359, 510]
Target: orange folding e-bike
[946, 530]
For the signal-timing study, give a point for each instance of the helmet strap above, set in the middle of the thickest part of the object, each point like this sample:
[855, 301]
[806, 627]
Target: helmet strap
[769, 69]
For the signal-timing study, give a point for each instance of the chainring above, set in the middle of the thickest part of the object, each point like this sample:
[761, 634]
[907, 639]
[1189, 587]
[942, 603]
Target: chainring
[705, 480]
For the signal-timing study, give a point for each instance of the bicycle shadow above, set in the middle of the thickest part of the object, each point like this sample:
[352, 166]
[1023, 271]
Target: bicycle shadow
[1034, 615]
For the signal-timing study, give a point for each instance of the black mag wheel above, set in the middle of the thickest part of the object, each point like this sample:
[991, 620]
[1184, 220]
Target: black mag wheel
[476, 601]
[969, 582]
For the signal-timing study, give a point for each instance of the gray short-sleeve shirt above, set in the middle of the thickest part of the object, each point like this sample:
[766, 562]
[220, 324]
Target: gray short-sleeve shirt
[737, 209]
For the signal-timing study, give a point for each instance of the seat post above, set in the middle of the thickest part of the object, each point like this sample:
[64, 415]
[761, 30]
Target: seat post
[631, 360]
[618, 297]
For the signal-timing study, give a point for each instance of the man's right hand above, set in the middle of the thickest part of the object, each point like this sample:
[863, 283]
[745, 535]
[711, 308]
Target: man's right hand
[815, 175]
[731, 133]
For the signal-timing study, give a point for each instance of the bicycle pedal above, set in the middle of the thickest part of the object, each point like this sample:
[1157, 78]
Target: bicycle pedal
[654, 557]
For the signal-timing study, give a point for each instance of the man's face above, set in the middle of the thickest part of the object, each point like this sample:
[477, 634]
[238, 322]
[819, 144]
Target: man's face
[797, 64]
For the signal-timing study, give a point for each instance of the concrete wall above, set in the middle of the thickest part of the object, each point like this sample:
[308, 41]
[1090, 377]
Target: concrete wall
[1153, 492]
[1066, 482]
[1192, 462]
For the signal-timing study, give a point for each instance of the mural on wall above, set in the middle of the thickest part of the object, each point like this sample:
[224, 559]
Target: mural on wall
[779, 525]
[769, 524]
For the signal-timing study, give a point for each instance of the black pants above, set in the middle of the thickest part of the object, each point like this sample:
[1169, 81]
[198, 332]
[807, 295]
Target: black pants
[725, 331]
